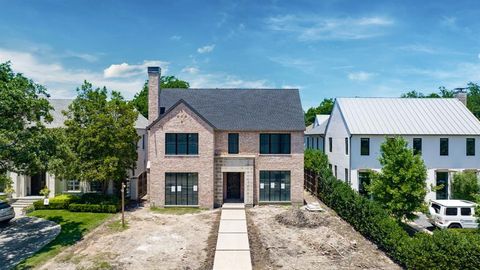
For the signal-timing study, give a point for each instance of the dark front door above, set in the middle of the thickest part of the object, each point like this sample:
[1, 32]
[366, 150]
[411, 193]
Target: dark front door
[37, 183]
[233, 185]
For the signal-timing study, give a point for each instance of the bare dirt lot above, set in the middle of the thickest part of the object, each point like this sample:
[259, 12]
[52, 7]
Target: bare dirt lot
[151, 241]
[289, 238]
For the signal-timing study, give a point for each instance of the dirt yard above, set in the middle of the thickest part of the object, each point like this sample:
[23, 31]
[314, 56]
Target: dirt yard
[151, 241]
[283, 237]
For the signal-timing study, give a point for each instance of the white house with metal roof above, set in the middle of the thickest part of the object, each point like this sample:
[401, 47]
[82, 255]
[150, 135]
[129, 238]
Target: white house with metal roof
[29, 186]
[315, 134]
[442, 130]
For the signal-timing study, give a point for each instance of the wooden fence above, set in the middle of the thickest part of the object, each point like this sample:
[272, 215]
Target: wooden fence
[142, 185]
[311, 182]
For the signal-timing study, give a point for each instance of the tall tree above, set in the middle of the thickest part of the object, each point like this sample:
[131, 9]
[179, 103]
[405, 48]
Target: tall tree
[400, 186]
[325, 107]
[473, 99]
[24, 108]
[140, 100]
[100, 137]
[442, 93]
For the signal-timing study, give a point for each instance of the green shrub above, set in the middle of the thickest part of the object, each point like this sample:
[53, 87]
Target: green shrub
[58, 202]
[445, 249]
[98, 198]
[95, 208]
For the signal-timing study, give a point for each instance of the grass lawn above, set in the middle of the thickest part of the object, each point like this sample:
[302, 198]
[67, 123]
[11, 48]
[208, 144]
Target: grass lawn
[176, 210]
[74, 226]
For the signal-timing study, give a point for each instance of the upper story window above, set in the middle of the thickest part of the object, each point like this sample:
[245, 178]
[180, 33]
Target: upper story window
[143, 141]
[181, 143]
[273, 143]
[233, 143]
[417, 146]
[443, 146]
[364, 146]
[470, 146]
[346, 146]
[330, 144]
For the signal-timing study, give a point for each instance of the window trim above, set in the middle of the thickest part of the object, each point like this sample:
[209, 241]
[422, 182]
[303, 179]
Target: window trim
[367, 140]
[68, 189]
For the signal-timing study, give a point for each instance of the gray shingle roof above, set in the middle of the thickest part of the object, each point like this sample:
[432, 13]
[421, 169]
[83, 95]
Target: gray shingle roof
[408, 116]
[319, 126]
[60, 105]
[242, 109]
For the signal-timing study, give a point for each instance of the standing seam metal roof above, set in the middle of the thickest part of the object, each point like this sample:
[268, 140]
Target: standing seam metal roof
[408, 116]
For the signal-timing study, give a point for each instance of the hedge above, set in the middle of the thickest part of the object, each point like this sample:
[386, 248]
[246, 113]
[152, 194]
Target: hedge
[95, 208]
[445, 249]
[58, 202]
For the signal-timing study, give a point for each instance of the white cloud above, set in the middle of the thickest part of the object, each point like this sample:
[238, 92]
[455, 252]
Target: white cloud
[222, 80]
[206, 49]
[291, 62]
[191, 70]
[84, 56]
[286, 86]
[176, 37]
[62, 81]
[360, 76]
[310, 28]
[125, 70]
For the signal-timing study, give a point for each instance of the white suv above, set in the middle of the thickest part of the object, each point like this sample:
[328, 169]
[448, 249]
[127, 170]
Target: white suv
[453, 214]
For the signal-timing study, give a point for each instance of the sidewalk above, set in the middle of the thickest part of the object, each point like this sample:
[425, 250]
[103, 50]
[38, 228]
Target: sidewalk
[233, 250]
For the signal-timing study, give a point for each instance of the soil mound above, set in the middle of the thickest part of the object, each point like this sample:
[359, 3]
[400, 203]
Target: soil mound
[301, 219]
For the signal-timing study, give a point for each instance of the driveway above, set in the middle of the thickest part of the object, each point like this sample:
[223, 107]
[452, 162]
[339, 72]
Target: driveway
[22, 237]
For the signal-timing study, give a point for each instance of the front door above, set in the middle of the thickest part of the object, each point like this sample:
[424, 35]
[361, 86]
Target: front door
[37, 183]
[233, 185]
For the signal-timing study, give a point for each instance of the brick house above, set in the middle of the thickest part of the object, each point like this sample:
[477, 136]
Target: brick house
[208, 146]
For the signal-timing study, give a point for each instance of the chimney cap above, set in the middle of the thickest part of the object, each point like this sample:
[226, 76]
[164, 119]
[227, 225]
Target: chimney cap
[153, 69]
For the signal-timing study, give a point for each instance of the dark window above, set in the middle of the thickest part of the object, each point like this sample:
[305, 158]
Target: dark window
[417, 146]
[330, 144]
[181, 188]
[443, 146]
[274, 186]
[466, 211]
[335, 170]
[470, 147]
[181, 143]
[450, 211]
[442, 184]
[363, 182]
[318, 145]
[274, 143]
[162, 110]
[96, 186]
[330, 166]
[308, 142]
[143, 141]
[346, 175]
[365, 146]
[346, 146]
[233, 143]
[436, 208]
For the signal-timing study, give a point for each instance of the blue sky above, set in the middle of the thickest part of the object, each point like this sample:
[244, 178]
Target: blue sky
[324, 48]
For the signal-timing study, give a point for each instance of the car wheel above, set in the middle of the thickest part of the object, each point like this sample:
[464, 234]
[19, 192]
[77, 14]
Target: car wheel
[455, 226]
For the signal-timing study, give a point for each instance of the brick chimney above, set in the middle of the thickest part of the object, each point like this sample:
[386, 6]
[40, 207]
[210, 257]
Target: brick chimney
[154, 74]
[461, 94]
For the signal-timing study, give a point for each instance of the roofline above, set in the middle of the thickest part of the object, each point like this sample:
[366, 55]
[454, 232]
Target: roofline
[336, 104]
[408, 134]
[266, 89]
[173, 107]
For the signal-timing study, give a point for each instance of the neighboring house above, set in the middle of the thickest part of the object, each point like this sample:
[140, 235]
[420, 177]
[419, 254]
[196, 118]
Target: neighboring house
[315, 135]
[209, 146]
[30, 185]
[443, 131]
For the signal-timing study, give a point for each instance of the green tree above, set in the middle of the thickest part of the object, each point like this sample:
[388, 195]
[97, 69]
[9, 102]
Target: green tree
[99, 142]
[140, 100]
[465, 186]
[325, 107]
[442, 93]
[473, 99]
[400, 186]
[24, 108]
[317, 161]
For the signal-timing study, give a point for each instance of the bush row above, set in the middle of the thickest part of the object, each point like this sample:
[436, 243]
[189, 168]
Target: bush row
[87, 202]
[446, 249]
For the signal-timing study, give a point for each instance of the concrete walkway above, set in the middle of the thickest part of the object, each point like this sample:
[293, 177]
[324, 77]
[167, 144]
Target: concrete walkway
[233, 249]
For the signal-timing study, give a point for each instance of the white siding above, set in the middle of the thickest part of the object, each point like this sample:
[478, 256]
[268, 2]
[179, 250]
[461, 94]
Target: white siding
[313, 142]
[337, 130]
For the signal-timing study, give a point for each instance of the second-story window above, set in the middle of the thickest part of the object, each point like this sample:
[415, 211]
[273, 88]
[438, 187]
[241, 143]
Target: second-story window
[181, 143]
[233, 143]
[330, 144]
[364, 146]
[443, 146]
[273, 143]
[470, 146]
[417, 146]
[346, 146]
